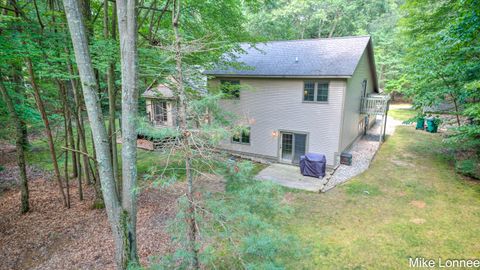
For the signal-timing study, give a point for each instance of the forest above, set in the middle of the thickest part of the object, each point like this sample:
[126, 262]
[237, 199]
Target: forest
[71, 75]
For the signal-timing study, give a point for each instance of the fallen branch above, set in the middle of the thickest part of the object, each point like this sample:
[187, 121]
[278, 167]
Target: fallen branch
[78, 151]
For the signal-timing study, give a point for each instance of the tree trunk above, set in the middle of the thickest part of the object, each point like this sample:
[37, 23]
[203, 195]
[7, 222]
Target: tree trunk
[127, 29]
[320, 25]
[456, 109]
[41, 109]
[71, 139]
[65, 168]
[99, 203]
[79, 165]
[18, 84]
[120, 219]
[86, 10]
[79, 119]
[334, 26]
[20, 144]
[72, 144]
[111, 101]
[68, 139]
[180, 91]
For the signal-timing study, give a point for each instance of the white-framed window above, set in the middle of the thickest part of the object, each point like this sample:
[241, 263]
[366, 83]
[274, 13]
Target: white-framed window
[315, 91]
[242, 137]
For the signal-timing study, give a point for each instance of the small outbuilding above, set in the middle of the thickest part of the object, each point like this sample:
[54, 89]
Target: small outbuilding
[161, 106]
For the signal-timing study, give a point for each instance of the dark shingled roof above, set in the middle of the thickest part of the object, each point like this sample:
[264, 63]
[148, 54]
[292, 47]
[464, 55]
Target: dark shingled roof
[325, 57]
[162, 91]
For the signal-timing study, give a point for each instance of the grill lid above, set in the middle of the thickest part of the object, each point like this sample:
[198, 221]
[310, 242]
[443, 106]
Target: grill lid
[315, 157]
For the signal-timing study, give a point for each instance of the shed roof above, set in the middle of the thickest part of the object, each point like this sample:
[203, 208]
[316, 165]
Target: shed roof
[324, 57]
[162, 91]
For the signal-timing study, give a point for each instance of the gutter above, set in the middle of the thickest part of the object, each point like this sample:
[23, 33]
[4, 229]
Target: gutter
[279, 76]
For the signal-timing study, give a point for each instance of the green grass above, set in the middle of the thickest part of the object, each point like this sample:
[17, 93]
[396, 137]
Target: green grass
[148, 162]
[409, 203]
[359, 188]
[402, 114]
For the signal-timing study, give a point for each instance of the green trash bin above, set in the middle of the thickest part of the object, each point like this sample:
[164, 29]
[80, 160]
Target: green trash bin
[420, 123]
[432, 125]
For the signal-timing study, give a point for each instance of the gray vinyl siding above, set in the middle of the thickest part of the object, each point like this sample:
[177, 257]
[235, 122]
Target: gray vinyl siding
[351, 116]
[277, 105]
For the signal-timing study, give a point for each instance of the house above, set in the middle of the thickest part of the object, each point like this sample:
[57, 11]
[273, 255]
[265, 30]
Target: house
[301, 96]
[298, 96]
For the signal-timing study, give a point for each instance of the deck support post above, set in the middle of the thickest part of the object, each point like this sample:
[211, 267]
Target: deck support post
[386, 118]
[380, 134]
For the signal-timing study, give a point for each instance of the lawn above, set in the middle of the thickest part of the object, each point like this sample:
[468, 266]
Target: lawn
[40, 156]
[401, 112]
[410, 203]
[147, 161]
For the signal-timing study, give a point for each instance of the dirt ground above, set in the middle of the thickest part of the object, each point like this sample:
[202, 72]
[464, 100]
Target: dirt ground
[53, 237]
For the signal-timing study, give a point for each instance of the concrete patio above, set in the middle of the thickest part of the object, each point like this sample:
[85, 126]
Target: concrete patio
[290, 176]
[363, 151]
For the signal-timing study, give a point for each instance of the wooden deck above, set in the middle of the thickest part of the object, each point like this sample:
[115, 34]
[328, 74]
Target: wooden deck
[374, 104]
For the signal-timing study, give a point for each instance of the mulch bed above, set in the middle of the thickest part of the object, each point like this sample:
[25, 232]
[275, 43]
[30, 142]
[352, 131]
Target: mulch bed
[53, 237]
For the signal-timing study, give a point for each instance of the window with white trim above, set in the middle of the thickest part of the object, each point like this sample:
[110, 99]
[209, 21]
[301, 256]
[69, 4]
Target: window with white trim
[315, 91]
[242, 137]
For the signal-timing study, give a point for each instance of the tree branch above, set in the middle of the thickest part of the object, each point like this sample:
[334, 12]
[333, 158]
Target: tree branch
[6, 8]
[38, 15]
[152, 8]
[78, 151]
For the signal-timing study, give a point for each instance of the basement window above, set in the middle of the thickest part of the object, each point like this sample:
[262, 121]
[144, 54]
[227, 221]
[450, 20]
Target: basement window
[243, 137]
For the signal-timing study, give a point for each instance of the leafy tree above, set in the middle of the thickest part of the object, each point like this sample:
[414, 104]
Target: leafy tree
[442, 62]
[287, 19]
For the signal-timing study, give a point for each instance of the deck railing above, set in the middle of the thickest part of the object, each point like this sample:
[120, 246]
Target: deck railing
[374, 104]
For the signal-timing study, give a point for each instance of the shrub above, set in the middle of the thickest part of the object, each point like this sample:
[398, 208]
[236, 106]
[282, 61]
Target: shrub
[238, 229]
[469, 167]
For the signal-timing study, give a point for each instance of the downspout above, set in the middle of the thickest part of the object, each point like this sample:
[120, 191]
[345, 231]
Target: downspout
[340, 139]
